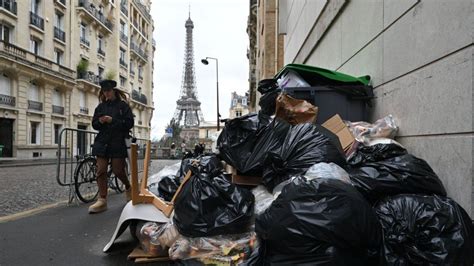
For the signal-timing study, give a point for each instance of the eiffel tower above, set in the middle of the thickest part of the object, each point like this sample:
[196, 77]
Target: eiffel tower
[188, 110]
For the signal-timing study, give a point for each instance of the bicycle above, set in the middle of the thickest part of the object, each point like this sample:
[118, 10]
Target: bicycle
[85, 180]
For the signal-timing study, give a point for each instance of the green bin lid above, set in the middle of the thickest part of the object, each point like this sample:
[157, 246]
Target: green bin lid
[329, 74]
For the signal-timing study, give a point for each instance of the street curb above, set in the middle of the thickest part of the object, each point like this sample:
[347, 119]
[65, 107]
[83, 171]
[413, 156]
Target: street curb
[16, 216]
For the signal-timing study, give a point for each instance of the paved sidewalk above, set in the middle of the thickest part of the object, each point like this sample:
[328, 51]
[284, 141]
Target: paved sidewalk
[65, 235]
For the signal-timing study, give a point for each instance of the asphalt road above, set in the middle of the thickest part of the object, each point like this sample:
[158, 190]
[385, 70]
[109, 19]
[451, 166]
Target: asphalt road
[28, 187]
[61, 234]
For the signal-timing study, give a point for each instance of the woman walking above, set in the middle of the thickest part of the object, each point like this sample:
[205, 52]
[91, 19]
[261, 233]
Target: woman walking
[113, 119]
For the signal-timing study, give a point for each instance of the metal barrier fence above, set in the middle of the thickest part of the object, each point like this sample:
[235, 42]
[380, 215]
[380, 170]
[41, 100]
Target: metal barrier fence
[75, 144]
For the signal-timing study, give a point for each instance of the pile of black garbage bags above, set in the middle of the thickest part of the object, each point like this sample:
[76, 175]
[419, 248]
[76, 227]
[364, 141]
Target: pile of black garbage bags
[387, 207]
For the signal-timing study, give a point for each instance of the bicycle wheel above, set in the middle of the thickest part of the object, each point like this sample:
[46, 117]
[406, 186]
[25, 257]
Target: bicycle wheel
[85, 181]
[114, 182]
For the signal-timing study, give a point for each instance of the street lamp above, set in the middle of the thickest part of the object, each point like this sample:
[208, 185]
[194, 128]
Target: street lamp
[206, 62]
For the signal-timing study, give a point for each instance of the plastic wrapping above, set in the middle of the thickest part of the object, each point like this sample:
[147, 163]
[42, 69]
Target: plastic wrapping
[147, 234]
[327, 170]
[166, 171]
[396, 175]
[295, 111]
[425, 230]
[375, 151]
[232, 248]
[210, 206]
[263, 199]
[308, 217]
[303, 146]
[382, 128]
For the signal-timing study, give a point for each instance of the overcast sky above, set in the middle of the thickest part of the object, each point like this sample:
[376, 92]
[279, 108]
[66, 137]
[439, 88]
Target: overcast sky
[220, 32]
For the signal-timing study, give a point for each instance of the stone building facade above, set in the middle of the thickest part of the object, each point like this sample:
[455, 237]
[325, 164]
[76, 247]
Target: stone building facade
[239, 105]
[53, 53]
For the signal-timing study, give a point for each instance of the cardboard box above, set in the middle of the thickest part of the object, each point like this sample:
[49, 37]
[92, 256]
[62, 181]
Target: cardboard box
[242, 179]
[337, 126]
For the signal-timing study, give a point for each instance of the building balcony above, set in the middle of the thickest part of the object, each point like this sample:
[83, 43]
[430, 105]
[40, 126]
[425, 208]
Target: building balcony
[59, 34]
[96, 15]
[138, 51]
[84, 110]
[143, 10]
[124, 38]
[61, 3]
[36, 20]
[123, 9]
[139, 97]
[7, 100]
[18, 54]
[8, 5]
[85, 41]
[132, 72]
[123, 63]
[101, 52]
[90, 77]
[58, 109]
[34, 105]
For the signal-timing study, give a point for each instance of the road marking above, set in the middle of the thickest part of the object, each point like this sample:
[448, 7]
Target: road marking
[27, 213]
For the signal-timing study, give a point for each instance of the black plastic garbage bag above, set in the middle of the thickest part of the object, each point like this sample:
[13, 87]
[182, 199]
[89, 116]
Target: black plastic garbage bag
[309, 217]
[397, 175]
[375, 153]
[425, 230]
[326, 255]
[167, 187]
[209, 206]
[270, 91]
[245, 140]
[185, 166]
[210, 164]
[304, 145]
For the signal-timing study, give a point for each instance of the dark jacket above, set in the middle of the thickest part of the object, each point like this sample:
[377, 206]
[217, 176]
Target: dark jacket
[110, 141]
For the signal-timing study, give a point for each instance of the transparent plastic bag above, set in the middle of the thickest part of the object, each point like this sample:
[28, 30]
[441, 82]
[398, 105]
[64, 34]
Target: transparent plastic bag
[156, 237]
[263, 199]
[147, 235]
[168, 170]
[382, 128]
[235, 248]
[327, 170]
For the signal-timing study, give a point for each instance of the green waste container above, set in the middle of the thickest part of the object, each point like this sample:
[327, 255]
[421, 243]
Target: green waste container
[1, 150]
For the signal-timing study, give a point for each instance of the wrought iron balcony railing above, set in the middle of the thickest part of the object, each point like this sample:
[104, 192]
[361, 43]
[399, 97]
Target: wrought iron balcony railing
[123, 38]
[36, 20]
[58, 109]
[84, 110]
[101, 52]
[123, 63]
[9, 5]
[59, 34]
[137, 50]
[34, 105]
[14, 52]
[142, 9]
[89, 76]
[124, 9]
[85, 41]
[7, 100]
[95, 13]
